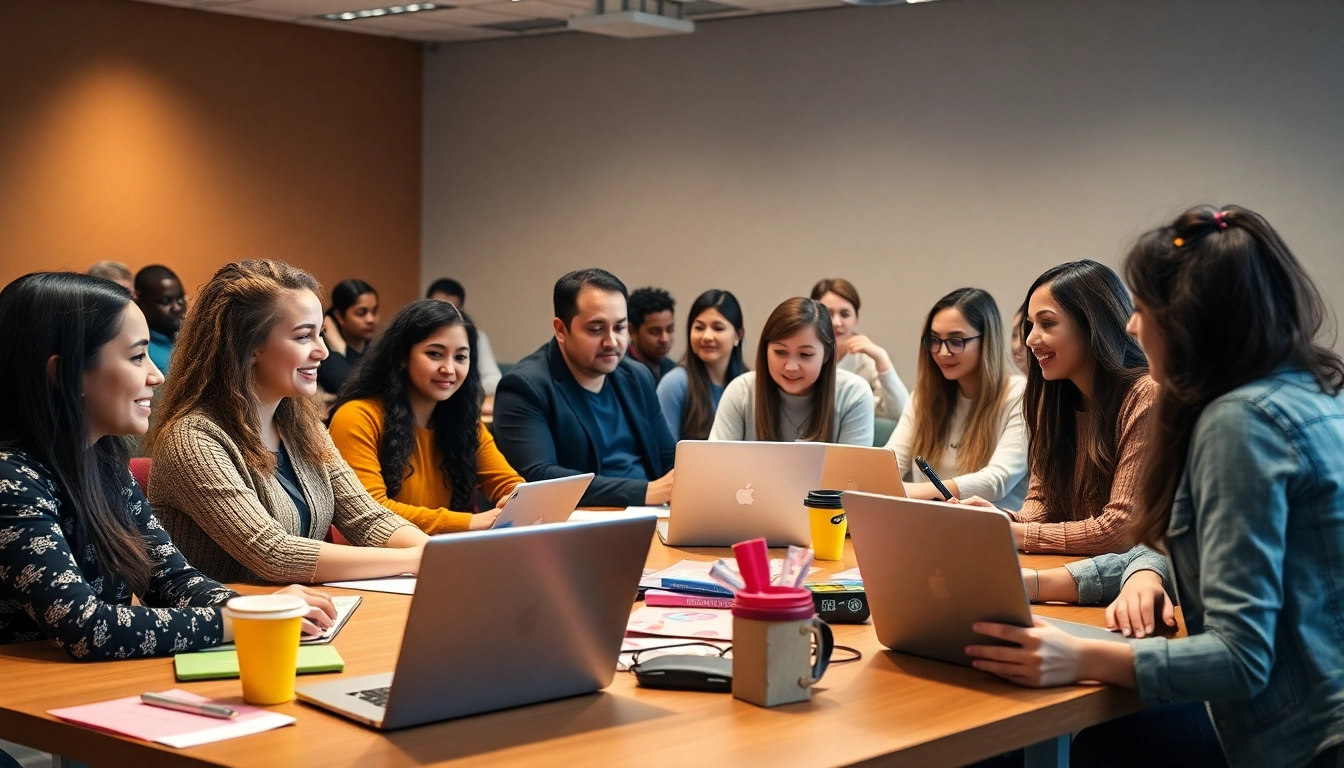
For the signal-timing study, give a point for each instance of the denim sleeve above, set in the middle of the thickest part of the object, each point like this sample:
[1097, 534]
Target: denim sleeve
[1100, 578]
[1241, 465]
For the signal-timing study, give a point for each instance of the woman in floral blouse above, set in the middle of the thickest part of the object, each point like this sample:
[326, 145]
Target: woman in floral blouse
[77, 537]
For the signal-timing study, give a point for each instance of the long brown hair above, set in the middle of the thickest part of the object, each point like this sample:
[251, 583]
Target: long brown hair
[789, 318]
[937, 395]
[212, 363]
[1232, 304]
[697, 414]
[1095, 299]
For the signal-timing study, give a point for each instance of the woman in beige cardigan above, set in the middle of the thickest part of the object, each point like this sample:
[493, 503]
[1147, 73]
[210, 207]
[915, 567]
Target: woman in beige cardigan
[245, 479]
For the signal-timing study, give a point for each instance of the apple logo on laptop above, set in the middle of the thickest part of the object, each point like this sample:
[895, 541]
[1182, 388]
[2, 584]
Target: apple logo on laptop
[938, 585]
[744, 495]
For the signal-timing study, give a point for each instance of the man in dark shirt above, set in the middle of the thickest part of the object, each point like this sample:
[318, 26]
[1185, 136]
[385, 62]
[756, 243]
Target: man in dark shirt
[652, 325]
[576, 405]
[159, 295]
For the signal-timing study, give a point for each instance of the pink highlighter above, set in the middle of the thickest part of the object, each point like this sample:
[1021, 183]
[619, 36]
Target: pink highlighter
[753, 562]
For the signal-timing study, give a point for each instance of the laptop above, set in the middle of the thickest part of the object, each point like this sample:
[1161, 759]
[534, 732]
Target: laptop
[550, 624]
[726, 492]
[544, 501]
[931, 570]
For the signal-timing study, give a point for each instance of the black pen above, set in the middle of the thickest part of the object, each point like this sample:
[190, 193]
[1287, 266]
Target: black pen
[933, 477]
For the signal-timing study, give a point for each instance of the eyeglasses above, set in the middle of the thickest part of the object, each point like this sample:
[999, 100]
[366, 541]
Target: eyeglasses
[955, 345]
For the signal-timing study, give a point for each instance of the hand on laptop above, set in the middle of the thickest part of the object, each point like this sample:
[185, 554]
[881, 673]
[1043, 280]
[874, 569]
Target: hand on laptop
[482, 520]
[660, 490]
[1140, 601]
[1046, 656]
[321, 611]
[1019, 530]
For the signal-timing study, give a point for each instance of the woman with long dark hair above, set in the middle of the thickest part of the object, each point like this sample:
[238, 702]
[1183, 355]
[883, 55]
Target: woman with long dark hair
[1243, 487]
[1087, 407]
[965, 417]
[409, 422]
[77, 539]
[245, 477]
[796, 391]
[349, 325]
[689, 394]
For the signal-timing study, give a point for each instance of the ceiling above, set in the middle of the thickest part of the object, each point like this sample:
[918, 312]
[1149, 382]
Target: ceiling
[469, 20]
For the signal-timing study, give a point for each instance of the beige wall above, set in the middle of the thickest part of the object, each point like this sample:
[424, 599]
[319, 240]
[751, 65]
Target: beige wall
[913, 149]
[143, 133]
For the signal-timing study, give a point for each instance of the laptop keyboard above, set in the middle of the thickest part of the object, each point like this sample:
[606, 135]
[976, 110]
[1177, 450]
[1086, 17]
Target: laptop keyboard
[375, 696]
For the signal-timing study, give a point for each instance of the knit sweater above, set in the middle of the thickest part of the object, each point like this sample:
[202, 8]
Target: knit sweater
[1003, 480]
[238, 525]
[426, 494]
[890, 394]
[735, 418]
[1085, 528]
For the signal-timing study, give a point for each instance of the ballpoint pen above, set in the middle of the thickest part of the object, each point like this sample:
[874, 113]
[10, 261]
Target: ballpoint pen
[196, 708]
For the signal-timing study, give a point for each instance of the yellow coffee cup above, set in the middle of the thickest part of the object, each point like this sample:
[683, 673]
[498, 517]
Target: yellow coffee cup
[266, 630]
[827, 516]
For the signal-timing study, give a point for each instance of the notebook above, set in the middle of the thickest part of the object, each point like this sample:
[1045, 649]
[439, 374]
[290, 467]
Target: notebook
[214, 665]
[345, 605]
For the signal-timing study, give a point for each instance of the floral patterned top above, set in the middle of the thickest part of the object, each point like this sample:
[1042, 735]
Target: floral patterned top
[51, 587]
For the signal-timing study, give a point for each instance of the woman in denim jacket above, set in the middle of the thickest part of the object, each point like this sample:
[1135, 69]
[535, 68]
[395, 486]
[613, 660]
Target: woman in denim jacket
[1244, 489]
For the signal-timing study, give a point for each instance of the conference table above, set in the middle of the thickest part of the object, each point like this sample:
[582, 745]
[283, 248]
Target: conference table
[887, 708]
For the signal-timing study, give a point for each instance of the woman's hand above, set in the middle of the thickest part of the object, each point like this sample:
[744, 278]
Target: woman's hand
[1045, 657]
[321, 611]
[863, 345]
[1140, 600]
[483, 520]
[1019, 530]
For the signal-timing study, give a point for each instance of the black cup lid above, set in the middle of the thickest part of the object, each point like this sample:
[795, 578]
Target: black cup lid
[824, 499]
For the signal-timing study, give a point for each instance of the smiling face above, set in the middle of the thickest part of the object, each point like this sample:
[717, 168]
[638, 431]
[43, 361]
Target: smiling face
[795, 362]
[359, 321]
[951, 324]
[713, 337]
[1144, 328]
[843, 316]
[437, 366]
[117, 391]
[597, 336]
[1056, 340]
[286, 363]
[653, 339]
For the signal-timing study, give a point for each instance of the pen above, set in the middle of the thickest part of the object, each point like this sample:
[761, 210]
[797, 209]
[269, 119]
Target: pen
[933, 477]
[195, 708]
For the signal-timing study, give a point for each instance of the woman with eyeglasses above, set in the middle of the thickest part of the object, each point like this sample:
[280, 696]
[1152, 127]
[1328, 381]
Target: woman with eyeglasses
[965, 416]
[1087, 404]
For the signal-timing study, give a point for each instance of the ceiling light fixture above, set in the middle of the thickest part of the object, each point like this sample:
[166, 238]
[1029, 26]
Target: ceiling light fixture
[872, 3]
[391, 10]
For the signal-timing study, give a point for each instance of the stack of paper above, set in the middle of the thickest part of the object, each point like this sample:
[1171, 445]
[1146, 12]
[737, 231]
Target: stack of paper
[129, 717]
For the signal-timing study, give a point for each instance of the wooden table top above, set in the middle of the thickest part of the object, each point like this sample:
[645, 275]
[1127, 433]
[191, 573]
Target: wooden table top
[888, 706]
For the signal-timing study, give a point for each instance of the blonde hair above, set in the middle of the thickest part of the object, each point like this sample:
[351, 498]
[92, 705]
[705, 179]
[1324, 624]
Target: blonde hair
[212, 363]
[937, 395]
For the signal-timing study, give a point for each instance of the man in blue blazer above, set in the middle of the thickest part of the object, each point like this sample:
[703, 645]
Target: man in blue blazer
[577, 405]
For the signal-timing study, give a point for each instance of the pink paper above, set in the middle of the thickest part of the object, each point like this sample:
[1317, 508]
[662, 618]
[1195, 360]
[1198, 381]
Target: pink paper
[131, 717]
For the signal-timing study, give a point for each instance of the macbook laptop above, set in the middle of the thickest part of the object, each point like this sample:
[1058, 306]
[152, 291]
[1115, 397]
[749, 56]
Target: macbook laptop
[726, 492]
[550, 624]
[931, 570]
[545, 501]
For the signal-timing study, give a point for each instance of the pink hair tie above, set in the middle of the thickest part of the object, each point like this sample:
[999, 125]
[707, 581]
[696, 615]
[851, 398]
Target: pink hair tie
[1218, 217]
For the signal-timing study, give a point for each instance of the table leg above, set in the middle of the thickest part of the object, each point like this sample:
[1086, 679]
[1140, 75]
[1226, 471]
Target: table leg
[1051, 753]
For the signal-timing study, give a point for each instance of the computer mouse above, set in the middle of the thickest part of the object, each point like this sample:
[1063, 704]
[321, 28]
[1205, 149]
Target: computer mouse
[686, 672]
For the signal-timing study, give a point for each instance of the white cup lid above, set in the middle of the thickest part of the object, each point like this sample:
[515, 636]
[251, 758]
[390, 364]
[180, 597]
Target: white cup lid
[266, 607]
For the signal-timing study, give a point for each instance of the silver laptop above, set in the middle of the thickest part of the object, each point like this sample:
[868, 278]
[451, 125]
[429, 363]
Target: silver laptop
[544, 501]
[931, 570]
[551, 626]
[726, 492]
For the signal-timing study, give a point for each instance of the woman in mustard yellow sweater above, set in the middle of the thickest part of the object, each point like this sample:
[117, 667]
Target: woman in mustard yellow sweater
[408, 422]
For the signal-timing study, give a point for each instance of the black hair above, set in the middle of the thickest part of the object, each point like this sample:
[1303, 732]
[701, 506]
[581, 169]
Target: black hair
[648, 301]
[697, 413]
[448, 287]
[146, 277]
[71, 317]
[567, 288]
[381, 375]
[346, 293]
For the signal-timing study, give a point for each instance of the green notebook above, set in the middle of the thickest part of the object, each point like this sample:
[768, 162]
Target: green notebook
[212, 665]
